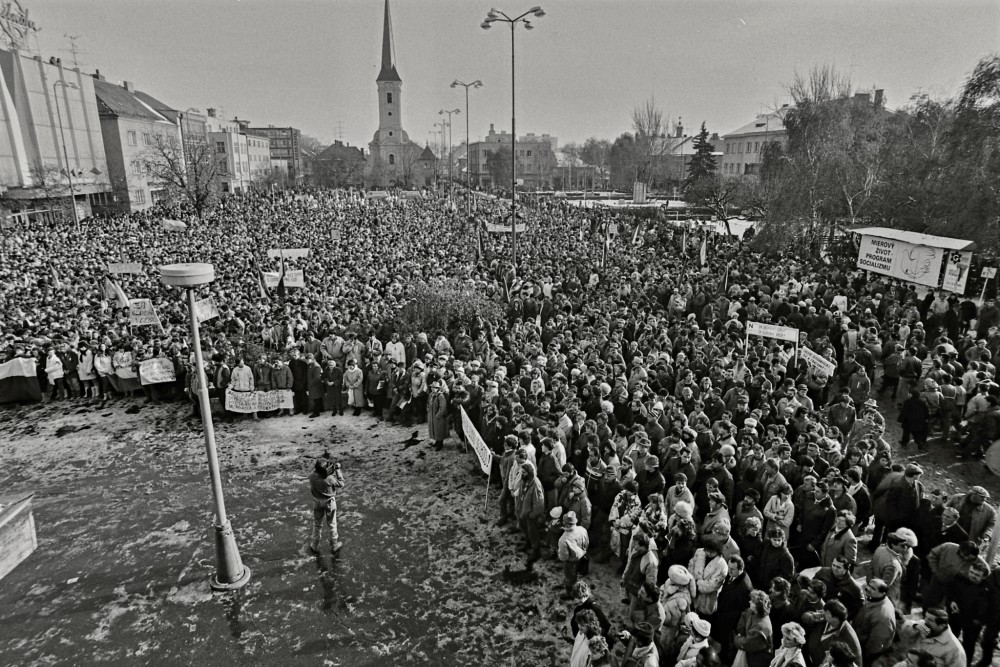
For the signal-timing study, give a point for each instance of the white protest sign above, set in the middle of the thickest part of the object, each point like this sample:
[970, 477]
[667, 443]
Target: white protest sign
[773, 331]
[154, 371]
[335, 234]
[483, 452]
[288, 253]
[956, 272]
[295, 278]
[989, 273]
[280, 399]
[919, 264]
[125, 267]
[499, 228]
[205, 310]
[141, 312]
[840, 301]
[258, 401]
[241, 401]
[818, 364]
[271, 279]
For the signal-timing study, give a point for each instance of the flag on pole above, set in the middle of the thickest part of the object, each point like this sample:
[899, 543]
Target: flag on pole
[704, 251]
[635, 234]
[684, 243]
[265, 293]
[281, 275]
[112, 292]
[55, 276]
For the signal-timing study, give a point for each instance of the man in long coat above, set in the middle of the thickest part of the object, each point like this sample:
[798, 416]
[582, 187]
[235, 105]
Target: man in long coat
[437, 414]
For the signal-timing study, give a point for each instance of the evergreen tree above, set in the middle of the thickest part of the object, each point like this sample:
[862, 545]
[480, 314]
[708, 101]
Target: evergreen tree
[702, 162]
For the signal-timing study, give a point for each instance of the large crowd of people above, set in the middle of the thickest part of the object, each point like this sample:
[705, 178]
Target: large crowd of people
[733, 484]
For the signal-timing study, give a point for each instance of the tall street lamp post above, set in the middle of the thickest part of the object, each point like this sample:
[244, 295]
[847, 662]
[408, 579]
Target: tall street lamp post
[468, 147]
[493, 16]
[442, 124]
[62, 136]
[449, 112]
[230, 573]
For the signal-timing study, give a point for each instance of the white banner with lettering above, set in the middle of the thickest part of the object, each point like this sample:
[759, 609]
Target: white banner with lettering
[773, 331]
[919, 264]
[205, 309]
[818, 364]
[258, 401]
[472, 436]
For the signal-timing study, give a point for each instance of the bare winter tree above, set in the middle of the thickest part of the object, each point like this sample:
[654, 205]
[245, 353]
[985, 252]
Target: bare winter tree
[650, 130]
[187, 171]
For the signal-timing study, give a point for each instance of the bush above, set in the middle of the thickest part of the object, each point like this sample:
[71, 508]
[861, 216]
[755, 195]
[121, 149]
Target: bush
[445, 307]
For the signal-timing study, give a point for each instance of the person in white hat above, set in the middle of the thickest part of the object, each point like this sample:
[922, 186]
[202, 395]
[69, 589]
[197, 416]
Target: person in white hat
[697, 640]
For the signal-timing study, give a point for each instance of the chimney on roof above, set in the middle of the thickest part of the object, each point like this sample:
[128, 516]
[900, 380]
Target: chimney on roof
[129, 86]
[678, 128]
[97, 75]
[879, 98]
[211, 112]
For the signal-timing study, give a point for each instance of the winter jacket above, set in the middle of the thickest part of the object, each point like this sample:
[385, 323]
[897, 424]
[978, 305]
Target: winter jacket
[708, 576]
[842, 543]
[282, 378]
[984, 519]
[875, 626]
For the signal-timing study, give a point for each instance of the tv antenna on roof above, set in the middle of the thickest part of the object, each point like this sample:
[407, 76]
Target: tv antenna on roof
[73, 49]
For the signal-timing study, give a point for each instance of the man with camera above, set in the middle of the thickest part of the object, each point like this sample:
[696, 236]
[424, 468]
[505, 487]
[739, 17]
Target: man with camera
[323, 484]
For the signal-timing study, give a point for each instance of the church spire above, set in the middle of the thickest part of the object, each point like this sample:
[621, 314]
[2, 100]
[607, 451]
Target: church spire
[388, 72]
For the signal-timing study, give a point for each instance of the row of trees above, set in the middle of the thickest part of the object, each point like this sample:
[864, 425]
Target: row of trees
[931, 166]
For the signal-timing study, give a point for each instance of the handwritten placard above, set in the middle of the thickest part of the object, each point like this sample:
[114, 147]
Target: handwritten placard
[205, 310]
[141, 313]
[155, 371]
[246, 402]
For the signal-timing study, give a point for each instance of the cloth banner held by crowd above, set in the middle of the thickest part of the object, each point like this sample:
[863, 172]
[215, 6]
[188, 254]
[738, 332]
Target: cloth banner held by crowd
[483, 454]
[174, 225]
[154, 371]
[112, 292]
[19, 381]
[246, 402]
[288, 253]
[774, 331]
[817, 364]
[125, 378]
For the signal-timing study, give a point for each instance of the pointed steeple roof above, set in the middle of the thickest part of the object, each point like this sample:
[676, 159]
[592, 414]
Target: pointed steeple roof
[388, 71]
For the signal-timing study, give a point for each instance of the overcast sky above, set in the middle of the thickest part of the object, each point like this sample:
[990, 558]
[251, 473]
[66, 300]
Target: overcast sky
[312, 63]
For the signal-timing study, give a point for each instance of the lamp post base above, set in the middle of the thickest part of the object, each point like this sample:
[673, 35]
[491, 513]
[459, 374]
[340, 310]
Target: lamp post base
[231, 574]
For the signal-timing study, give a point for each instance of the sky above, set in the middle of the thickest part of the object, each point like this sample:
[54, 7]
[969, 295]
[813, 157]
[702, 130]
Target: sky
[580, 72]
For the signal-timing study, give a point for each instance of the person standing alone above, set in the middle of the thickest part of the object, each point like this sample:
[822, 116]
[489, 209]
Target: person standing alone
[323, 485]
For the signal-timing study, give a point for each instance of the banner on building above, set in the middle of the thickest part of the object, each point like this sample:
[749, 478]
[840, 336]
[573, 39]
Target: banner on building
[246, 402]
[288, 253]
[205, 310]
[500, 228]
[125, 267]
[295, 278]
[956, 272]
[773, 331]
[918, 264]
[155, 371]
[818, 364]
[483, 453]
[141, 313]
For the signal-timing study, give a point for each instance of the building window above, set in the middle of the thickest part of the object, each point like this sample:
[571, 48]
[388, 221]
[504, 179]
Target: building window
[140, 197]
[756, 147]
[147, 139]
[220, 146]
[529, 153]
[390, 133]
[137, 169]
[131, 138]
[392, 159]
[748, 147]
[388, 98]
[751, 168]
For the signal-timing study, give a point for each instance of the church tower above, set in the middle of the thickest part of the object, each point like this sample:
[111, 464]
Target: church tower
[390, 139]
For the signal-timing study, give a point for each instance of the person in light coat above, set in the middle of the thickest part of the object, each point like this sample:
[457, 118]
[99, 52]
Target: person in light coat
[709, 570]
[780, 511]
[87, 373]
[354, 384]
[573, 545]
[54, 374]
[840, 541]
